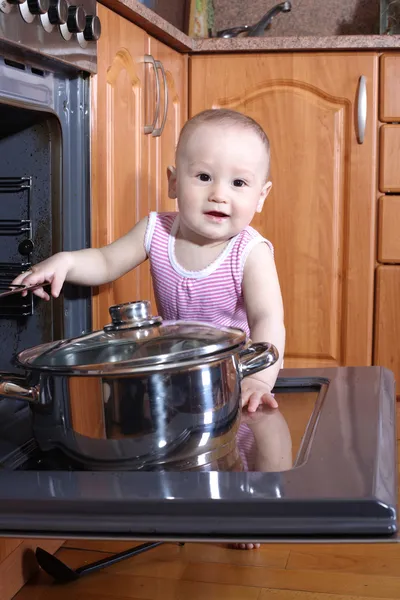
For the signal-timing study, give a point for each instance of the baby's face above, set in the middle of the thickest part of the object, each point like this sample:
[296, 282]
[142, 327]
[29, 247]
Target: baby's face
[220, 180]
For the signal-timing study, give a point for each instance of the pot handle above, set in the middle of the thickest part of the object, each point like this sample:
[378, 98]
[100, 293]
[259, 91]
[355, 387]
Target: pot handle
[256, 358]
[11, 389]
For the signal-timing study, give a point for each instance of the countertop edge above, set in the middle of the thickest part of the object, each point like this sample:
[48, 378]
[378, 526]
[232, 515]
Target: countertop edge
[277, 44]
[156, 26]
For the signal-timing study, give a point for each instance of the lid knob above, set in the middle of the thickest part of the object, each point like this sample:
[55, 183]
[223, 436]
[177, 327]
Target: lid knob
[131, 315]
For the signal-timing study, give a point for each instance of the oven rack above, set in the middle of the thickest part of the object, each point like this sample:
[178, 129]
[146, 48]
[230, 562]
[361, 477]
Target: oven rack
[15, 305]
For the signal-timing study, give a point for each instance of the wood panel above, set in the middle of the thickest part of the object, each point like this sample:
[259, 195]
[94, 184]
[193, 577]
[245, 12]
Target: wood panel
[162, 148]
[18, 563]
[198, 571]
[389, 229]
[129, 166]
[321, 212]
[119, 168]
[8, 545]
[389, 105]
[387, 320]
[389, 172]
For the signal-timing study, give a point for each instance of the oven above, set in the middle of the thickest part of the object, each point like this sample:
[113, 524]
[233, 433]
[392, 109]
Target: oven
[340, 434]
[337, 480]
[47, 54]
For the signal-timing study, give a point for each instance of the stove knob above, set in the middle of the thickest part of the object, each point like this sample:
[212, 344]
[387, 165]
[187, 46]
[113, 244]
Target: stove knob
[58, 12]
[92, 31]
[76, 19]
[38, 7]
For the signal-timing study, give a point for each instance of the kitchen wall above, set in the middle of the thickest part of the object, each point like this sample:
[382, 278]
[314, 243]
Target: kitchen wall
[308, 17]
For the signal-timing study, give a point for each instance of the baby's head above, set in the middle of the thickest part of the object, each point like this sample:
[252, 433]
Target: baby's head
[221, 175]
[219, 120]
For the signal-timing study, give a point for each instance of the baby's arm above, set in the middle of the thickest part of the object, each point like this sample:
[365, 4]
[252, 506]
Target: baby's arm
[92, 266]
[264, 308]
[273, 442]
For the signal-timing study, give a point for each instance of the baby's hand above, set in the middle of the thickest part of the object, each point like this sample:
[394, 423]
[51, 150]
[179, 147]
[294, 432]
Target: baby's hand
[254, 392]
[54, 270]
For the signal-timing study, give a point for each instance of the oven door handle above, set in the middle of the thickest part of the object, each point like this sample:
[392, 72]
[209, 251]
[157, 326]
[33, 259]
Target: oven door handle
[148, 59]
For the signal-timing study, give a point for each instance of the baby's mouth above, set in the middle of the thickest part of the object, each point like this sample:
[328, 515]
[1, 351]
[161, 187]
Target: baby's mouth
[216, 213]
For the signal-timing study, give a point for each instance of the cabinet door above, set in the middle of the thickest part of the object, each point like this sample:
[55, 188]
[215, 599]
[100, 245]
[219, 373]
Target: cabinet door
[388, 229]
[387, 320]
[389, 172]
[129, 167]
[320, 215]
[389, 105]
[119, 158]
[173, 84]
[174, 110]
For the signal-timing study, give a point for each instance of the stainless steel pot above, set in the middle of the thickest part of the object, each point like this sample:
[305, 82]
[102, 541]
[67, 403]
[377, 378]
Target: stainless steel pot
[166, 394]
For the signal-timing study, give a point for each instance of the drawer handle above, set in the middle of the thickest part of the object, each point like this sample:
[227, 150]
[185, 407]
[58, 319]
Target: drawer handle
[148, 59]
[157, 132]
[361, 109]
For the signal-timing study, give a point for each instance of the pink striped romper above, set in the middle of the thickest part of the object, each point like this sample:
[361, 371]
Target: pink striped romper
[213, 295]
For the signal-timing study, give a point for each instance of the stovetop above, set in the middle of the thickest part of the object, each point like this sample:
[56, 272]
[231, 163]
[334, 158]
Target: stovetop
[342, 482]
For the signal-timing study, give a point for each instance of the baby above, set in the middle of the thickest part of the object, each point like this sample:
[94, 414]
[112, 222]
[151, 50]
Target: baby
[207, 263]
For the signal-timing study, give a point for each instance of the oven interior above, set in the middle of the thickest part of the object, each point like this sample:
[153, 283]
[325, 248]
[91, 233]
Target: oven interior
[30, 193]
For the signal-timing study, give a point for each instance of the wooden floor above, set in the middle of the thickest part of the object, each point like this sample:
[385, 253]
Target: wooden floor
[214, 572]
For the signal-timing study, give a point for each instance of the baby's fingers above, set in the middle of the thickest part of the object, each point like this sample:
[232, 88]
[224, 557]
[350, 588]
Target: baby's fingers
[40, 293]
[56, 284]
[32, 280]
[20, 279]
[269, 400]
[254, 401]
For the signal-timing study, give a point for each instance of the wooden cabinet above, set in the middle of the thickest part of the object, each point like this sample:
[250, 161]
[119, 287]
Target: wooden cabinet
[387, 322]
[129, 165]
[387, 312]
[162, 148]
[389, 229]
[389, 171]
[389, 104]
[320, 215]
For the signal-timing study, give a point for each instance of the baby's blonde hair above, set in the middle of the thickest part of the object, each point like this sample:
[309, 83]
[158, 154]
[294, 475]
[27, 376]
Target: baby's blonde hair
[224, 116]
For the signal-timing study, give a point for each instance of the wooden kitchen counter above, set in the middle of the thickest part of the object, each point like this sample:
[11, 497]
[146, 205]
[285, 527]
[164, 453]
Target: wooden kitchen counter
[214, 572]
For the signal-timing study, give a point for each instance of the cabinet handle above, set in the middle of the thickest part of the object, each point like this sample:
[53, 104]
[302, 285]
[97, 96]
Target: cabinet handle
[148, 59]
[157, 132]
[361, 109]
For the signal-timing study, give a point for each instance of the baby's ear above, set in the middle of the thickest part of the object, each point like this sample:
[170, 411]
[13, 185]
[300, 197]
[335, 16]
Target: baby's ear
[171, 174]
[264, 193]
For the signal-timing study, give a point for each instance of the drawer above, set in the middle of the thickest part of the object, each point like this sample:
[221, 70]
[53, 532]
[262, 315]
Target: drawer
[389, 229]
[387, 320]
[389, 171]
[389, 105]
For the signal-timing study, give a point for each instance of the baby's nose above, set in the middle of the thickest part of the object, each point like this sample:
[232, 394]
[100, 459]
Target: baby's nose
[217, 195]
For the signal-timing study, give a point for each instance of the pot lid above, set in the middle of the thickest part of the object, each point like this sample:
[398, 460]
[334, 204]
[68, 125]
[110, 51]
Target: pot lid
[134, 341]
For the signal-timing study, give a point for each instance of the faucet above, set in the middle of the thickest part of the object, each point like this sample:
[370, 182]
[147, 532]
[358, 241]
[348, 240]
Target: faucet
[259, 28]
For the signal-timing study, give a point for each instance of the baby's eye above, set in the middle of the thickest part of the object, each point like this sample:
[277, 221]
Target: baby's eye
[204, 177]
[239, 183]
